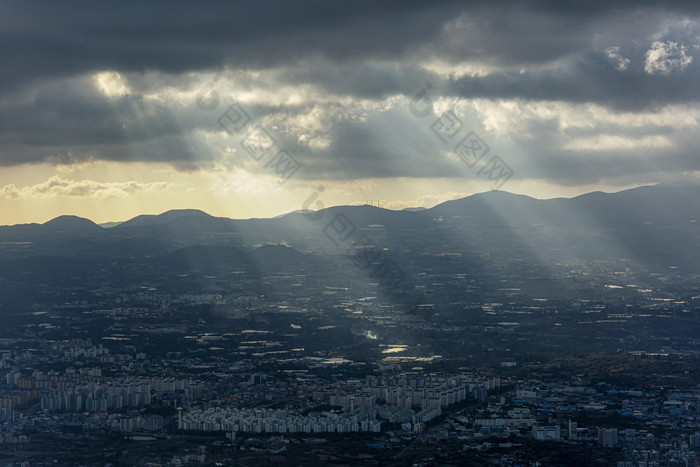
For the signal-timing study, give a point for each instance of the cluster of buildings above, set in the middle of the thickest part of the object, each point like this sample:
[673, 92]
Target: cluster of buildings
[428, 394]
[659, 427]
[117, 395]
[277, 421]
[96, 397]
[424, 391]
[152, 423]
[391, 398]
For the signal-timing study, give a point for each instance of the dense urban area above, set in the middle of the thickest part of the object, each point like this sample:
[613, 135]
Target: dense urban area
[119, 348]
[139, 377]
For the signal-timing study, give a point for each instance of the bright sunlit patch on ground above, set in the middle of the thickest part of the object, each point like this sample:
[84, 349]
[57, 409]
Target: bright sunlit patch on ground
[395, 349]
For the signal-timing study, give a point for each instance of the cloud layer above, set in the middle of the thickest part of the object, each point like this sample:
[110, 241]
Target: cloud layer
[57, 186]
[564, 92]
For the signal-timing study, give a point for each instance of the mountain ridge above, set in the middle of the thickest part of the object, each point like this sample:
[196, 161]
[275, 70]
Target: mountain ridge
[650, 228]
[142, 220]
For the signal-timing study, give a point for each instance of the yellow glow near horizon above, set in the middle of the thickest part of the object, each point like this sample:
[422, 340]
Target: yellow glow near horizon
[113, 191]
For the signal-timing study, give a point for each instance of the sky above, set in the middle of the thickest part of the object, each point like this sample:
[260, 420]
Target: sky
[242, 109]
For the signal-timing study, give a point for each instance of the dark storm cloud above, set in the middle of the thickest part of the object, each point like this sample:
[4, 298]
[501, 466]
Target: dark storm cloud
[45, 39]
[67, 121]
[51, 110]
[593, 79]
[51, 39]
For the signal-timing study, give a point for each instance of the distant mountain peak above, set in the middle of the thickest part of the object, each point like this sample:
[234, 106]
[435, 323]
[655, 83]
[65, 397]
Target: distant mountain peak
[71, 223]
[168, 216]
[488, 197]
[184, 212]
